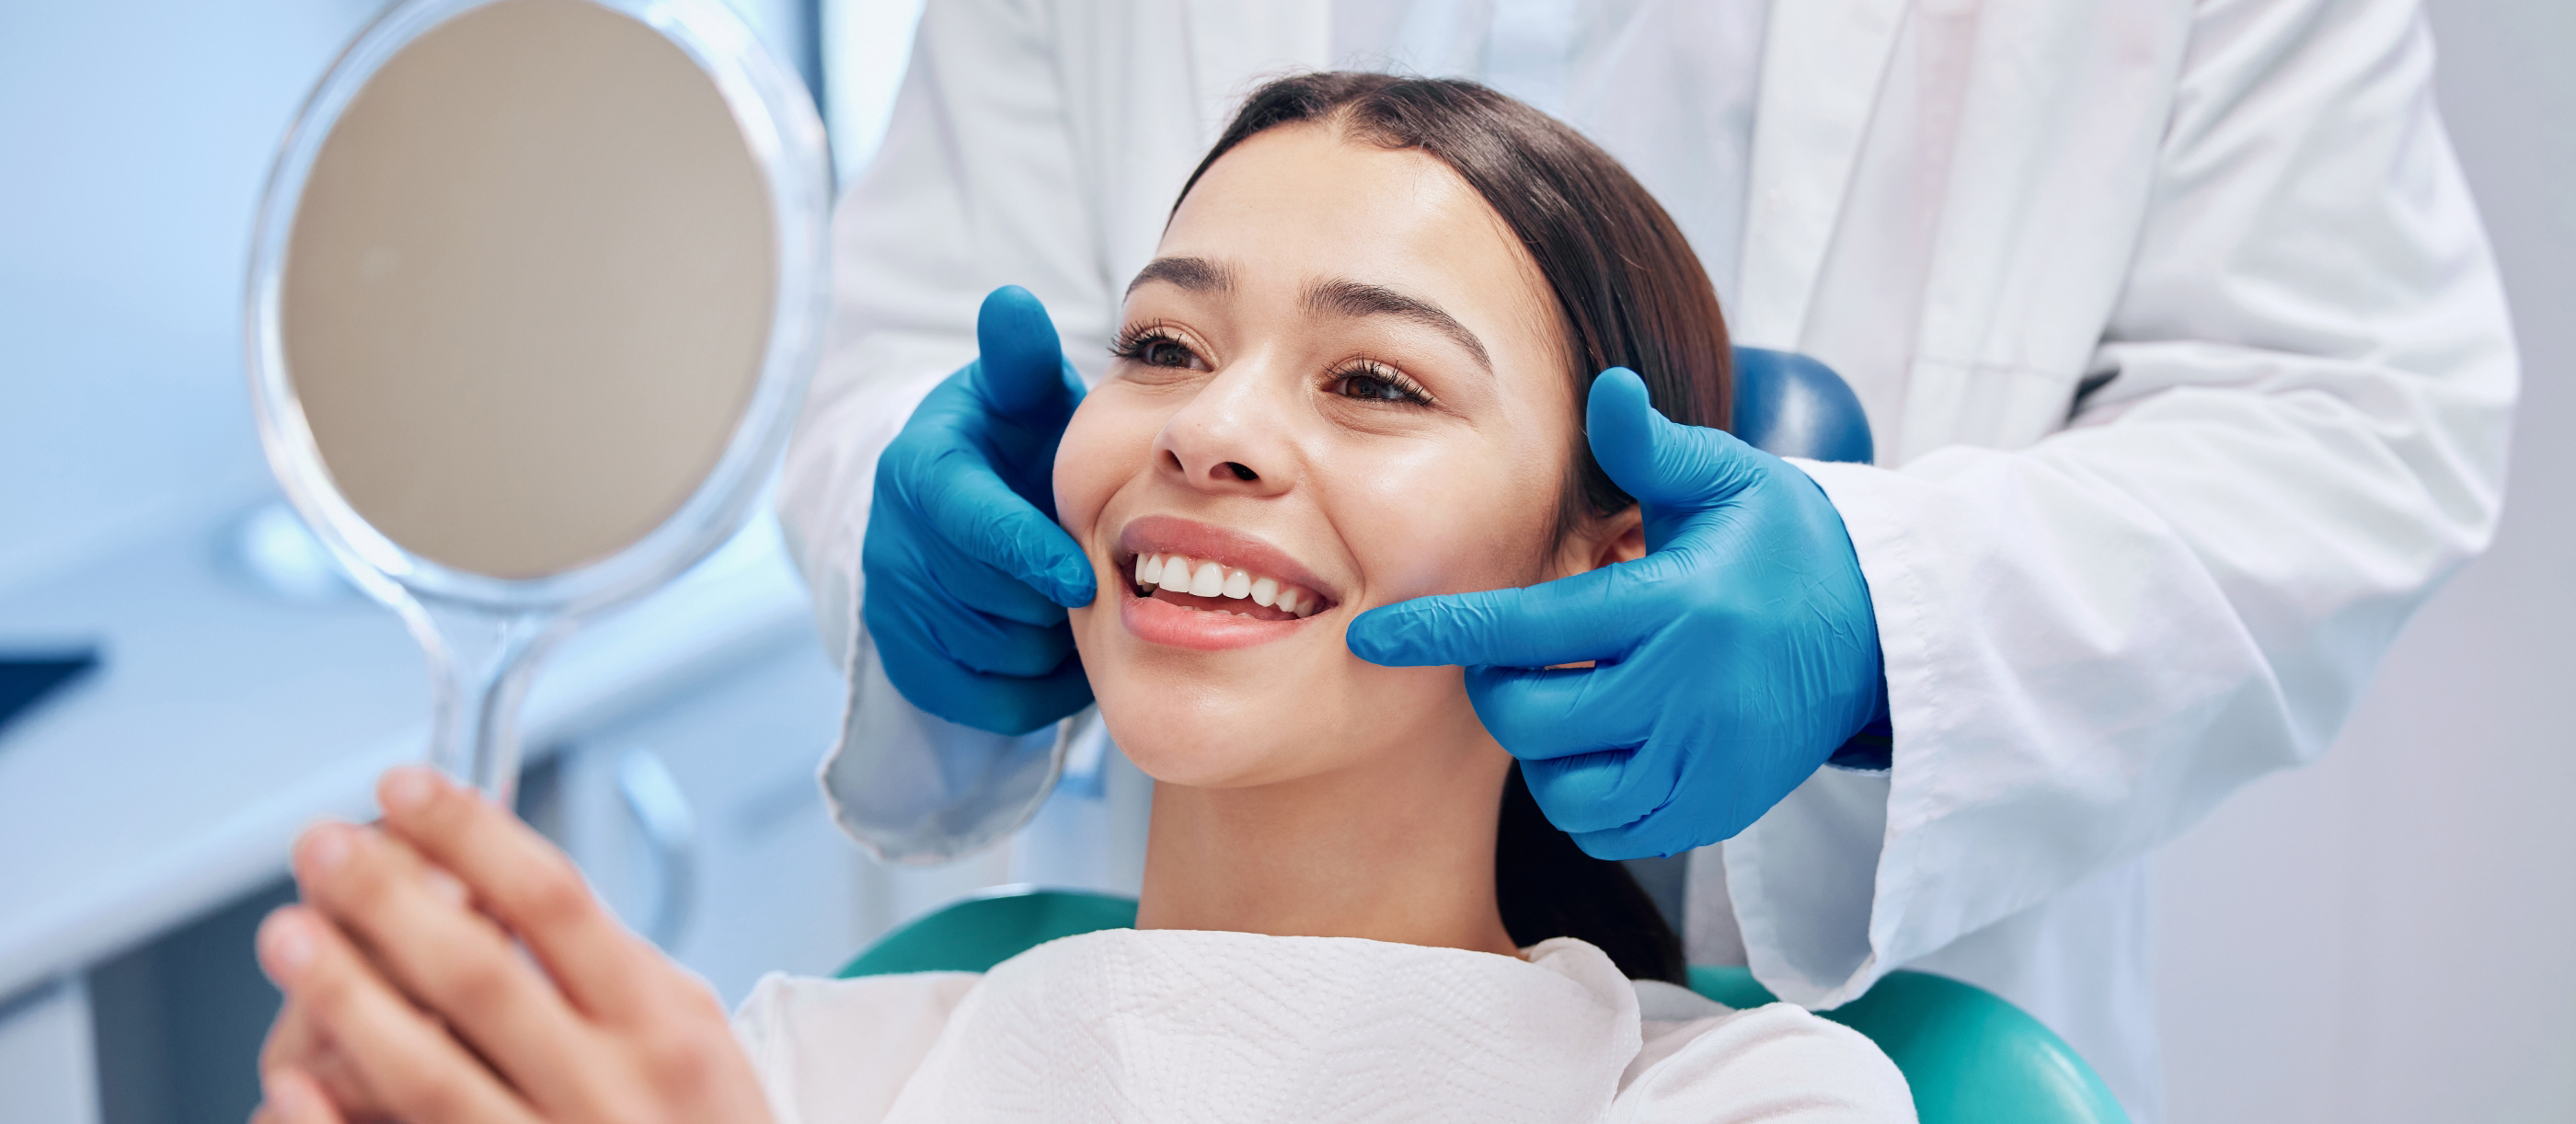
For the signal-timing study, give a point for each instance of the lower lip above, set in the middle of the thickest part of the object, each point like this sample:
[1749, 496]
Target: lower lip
[1161, 622]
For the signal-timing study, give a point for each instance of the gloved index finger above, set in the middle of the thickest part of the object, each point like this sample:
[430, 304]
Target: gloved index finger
[982, 517]
[1569, 620]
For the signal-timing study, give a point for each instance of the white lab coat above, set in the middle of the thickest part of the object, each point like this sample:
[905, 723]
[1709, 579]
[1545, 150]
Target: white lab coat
[2182, 341]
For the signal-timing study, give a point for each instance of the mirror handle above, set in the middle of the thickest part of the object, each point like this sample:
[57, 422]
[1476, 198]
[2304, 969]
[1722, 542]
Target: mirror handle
[479, 668]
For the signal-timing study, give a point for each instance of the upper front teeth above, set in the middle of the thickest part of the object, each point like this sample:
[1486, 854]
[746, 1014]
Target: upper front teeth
[1207, 579]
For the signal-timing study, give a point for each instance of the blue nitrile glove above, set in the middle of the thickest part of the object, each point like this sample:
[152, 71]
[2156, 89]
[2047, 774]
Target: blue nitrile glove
[967, 574]
[1734, 658]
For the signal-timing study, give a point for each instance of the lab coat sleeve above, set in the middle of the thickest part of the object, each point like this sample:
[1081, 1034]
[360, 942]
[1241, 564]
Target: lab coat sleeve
[2092, 640]
[976, 186]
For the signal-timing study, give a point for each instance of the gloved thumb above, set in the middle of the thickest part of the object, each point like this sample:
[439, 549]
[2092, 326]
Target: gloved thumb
[1021, 369]
[1662, 464]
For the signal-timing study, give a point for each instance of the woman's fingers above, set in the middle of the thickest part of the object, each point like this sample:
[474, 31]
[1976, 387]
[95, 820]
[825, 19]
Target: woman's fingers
[528, 884]
[294, 1042]
[290, 1096]
[421, 930]
[423, 1074]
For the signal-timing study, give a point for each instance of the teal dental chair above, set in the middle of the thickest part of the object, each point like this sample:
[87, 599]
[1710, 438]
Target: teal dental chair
[1970, 1057]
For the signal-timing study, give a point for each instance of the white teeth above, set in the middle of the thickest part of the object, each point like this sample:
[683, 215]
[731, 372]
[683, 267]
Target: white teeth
[1176, 574]
[1208, 579]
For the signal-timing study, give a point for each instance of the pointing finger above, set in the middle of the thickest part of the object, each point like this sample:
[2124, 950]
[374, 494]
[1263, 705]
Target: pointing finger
[969, 506]
[990, 523]
[1568, 620]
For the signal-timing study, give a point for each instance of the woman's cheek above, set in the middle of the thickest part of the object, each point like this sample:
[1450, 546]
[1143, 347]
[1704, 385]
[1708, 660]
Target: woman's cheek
[1085, 473]
[1452, 519]
[1108, 444]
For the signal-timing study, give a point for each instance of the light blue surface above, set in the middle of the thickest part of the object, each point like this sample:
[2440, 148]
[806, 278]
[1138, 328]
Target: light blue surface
[229, 710]
[137, 135]
[224, 719]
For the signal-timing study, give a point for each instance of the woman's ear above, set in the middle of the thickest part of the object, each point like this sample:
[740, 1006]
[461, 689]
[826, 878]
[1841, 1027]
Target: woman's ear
[1620, 538]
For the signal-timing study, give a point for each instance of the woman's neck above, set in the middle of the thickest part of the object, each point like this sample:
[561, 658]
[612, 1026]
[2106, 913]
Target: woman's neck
[1401, 849]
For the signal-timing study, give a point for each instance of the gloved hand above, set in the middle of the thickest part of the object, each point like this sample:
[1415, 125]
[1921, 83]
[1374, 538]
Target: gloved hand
[967, 574]
[1733, 659]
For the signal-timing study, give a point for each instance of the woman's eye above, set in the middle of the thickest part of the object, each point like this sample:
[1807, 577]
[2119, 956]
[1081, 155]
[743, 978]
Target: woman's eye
[1379, 385]
[1373, 387]
[1164, 353]
[1152, 346]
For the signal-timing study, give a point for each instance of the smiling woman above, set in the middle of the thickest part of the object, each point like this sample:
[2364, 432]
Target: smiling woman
[1349, 377]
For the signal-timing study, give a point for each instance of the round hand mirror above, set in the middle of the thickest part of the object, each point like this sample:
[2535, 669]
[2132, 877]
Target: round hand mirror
[533, 294]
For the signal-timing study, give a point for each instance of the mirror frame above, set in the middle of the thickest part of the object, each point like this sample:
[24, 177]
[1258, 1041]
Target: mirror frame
[784, 135]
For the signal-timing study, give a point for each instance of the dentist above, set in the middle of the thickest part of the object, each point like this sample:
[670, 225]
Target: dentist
[2186, 356]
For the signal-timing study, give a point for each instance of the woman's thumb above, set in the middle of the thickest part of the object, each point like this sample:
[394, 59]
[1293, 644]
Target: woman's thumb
[1020, 367]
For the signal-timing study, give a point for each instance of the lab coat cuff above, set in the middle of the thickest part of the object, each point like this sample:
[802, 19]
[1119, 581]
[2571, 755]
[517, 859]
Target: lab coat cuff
[1815, 883]
[919, 790]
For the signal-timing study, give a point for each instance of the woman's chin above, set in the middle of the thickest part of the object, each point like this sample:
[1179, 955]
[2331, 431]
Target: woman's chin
[1202, 734]
[1251, 703]
[1184, 745]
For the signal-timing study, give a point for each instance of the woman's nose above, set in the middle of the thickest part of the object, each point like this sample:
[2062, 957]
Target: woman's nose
[1231, 438]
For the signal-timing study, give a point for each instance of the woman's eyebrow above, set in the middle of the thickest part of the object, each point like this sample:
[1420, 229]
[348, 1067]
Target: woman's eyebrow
[1198, 275]
[1344, 297]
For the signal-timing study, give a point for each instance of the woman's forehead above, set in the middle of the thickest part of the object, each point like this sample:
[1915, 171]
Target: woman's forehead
[1300, 206]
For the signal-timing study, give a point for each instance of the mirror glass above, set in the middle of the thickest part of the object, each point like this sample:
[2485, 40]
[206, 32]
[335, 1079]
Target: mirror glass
[533, 298]
[528, 288]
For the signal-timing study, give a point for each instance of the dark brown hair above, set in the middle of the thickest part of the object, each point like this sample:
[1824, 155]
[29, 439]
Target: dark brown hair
[1631, 294]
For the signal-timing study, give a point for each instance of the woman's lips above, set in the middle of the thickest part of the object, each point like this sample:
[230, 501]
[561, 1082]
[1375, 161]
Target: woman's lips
[1230, 549]
[1193, 585]
[1157, 620]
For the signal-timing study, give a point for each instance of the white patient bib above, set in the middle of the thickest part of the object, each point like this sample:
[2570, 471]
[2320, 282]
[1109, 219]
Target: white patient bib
[1162, 1025]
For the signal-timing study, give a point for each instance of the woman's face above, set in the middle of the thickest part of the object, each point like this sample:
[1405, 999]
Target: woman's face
[1340, 385]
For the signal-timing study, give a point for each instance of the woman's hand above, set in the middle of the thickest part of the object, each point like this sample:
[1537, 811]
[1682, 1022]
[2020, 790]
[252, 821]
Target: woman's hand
[406, 998]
